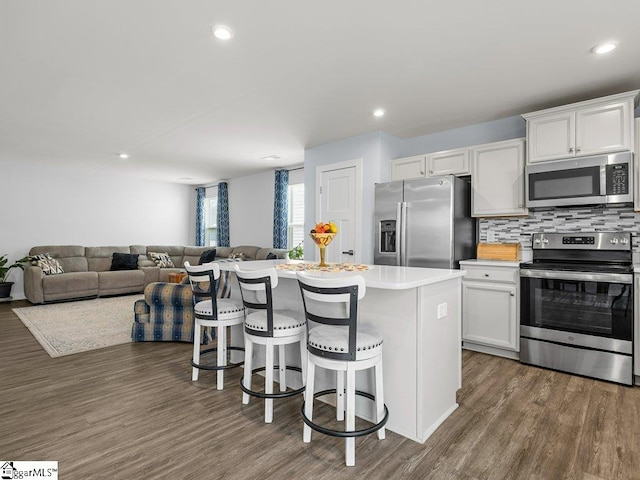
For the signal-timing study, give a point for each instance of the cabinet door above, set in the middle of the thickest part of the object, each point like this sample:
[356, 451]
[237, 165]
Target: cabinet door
[489, 315]
[636, 327]
[450, 162]
[551, 137]
[408, 167]
[497, 182]
[604, 128]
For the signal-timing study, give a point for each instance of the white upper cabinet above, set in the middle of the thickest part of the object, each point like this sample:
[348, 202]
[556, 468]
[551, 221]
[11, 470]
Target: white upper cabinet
[603, 125]
[497, 183]
[449, 162]
[408, 167]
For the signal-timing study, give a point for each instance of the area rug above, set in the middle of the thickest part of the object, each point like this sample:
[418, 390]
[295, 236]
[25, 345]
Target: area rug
[73, 327]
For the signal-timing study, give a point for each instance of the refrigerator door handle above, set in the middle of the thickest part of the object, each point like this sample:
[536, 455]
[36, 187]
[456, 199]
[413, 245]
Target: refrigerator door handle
[403, 234]
[399, 233]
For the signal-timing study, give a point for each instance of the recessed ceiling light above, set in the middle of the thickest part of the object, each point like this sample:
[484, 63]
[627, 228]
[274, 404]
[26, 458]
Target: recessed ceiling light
[222, 32]
[604, 47]
[378, 112]
[270, 157]
[123, 155]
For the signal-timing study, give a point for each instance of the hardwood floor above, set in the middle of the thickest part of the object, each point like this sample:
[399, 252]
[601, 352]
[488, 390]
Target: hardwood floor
[132, 412]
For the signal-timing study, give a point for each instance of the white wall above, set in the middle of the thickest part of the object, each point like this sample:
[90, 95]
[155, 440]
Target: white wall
[251, 210]
[54, 206]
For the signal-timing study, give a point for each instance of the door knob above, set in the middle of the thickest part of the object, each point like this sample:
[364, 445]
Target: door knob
[348, 252]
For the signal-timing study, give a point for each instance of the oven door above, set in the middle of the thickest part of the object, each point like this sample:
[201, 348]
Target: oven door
[590, 304]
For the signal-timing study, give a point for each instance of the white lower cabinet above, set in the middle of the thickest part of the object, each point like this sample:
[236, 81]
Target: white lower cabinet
[490, 309]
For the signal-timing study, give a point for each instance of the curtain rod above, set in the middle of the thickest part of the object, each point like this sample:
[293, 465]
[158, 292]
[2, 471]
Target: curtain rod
[216, 184]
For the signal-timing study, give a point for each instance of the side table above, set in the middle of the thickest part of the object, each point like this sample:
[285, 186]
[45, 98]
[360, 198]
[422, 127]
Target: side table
[176, 277]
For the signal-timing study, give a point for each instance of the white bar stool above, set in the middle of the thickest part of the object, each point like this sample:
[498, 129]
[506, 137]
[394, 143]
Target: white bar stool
[340, 343]
[210, 311]
[271, 328]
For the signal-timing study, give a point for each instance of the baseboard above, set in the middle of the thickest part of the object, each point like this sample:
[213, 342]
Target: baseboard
[491, 350]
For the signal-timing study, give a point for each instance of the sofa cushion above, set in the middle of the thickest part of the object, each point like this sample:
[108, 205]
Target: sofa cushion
[49, 266]
[176, 252]
[192, 255]
[121, 281]
[99, 258]
[207, 256]
[124, 261]
[70, 257]
[162, 259]
[263, 253]
[70, 285]
[248, 251]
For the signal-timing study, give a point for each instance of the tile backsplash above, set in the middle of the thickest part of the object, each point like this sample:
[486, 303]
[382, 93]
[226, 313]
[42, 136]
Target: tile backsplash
[566, 220]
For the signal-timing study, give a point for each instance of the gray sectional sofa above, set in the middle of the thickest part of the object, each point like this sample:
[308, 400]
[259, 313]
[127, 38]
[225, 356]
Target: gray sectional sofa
[87, 271]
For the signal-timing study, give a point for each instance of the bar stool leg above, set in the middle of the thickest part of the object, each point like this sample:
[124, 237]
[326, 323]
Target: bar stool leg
[283, 368]
[339, 395]
[222, 354]
[308, 402]
[248, 365]
[350, 442]
[268, 385]
[196, 350]
[303, 363]
[379, 398]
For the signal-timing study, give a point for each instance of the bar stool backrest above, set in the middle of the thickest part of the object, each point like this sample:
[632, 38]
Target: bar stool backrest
[332, 301]
[255, 288]
[204, 281]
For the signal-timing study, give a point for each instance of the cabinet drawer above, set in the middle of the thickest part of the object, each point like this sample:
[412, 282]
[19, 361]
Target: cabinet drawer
[492, 274]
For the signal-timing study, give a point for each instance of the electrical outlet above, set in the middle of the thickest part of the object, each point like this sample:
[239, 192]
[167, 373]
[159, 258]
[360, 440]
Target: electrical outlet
[442, 310]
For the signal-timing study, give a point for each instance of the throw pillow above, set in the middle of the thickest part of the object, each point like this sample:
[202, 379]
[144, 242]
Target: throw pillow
[48, 264]
[163, 260]
[239, 256]
[272, 256]
[124, 261]
[207, 256]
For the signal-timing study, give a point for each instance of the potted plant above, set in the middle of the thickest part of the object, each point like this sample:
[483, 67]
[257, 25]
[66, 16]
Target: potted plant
[5, 287]
[296, 253]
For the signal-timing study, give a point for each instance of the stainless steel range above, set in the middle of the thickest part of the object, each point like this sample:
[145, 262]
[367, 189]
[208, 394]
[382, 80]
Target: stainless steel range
[577, 305]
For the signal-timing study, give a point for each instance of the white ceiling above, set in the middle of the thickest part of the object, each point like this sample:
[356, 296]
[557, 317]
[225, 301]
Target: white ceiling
[81, 80]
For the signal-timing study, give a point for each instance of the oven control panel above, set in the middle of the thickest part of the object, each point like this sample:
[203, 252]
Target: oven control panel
[582, 241]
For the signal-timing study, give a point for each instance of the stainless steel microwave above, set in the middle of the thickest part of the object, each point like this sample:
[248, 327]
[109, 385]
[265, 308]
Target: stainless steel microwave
[597, 180]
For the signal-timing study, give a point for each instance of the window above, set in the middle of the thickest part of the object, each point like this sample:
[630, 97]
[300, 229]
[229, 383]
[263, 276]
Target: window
[295, 233]
[211, 221]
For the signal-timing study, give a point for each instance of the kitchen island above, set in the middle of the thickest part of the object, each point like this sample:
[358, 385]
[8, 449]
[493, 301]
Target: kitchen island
[418, 313]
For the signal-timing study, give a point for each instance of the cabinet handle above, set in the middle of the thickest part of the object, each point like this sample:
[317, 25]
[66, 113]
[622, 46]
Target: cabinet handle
[512, 294]
[421, 172]
[578, 149]
[430, 171]
[486, 275]
[570, 149]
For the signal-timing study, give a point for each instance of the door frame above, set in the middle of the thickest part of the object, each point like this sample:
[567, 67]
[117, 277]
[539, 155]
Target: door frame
[320, 170]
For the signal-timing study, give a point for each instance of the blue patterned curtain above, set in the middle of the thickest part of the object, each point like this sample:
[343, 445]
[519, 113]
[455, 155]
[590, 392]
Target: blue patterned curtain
[200, 224]
[223, 215]
[281, 209]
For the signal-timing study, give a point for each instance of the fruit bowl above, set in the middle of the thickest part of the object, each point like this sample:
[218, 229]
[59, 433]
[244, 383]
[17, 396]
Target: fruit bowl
[322, 240]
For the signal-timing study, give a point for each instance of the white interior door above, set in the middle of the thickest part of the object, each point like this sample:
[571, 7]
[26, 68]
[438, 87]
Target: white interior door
[339, 198]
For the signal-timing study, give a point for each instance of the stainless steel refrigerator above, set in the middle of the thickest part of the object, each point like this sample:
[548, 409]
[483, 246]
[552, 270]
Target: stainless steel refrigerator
[424, 222]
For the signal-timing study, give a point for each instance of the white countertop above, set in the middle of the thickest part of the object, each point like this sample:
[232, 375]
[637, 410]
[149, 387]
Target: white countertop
[378, 276]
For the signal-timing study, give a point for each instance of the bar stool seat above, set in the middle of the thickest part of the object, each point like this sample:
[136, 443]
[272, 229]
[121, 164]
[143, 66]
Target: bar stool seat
[271, 328]
[211, 312]
[338, 342]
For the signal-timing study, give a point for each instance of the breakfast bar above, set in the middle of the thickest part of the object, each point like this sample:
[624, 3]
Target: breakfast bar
[418, 313]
